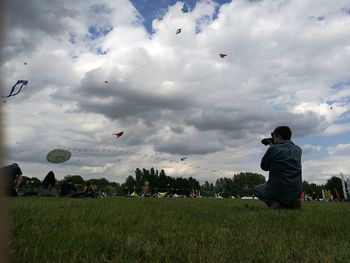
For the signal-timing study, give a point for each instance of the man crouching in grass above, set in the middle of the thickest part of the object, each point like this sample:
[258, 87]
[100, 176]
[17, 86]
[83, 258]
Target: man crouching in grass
[283, 161]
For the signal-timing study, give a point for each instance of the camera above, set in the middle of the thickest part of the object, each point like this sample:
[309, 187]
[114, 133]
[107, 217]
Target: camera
[267, 141]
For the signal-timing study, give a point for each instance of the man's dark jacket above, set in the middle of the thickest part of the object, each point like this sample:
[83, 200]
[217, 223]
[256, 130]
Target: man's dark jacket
[283, 161]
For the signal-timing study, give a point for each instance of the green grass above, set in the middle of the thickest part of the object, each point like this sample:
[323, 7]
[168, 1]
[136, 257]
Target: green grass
[119, 229]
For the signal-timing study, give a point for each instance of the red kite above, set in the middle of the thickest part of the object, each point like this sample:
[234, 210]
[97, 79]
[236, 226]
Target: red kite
[118, 134]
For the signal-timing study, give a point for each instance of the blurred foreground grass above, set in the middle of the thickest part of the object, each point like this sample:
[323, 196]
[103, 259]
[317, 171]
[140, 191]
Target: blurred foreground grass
[119, 229]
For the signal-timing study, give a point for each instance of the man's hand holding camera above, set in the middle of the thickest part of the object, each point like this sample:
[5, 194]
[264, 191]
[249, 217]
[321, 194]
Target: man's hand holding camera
[268, 141]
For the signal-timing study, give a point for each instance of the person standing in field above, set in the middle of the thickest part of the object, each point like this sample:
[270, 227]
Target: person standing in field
[145, 190]
[49, 184]
[283, 161]
[12, 178]
[89, 190]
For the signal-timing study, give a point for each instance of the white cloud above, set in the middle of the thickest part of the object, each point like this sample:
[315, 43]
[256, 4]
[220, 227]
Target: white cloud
[307, 148]
[171, 93]
[319, 171]
[97, 169]
[336, 129]
[338, 148]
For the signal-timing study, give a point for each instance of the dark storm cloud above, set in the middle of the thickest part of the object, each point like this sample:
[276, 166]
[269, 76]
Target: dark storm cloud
[29, 22]
[226, 121]
[34, 15]
[187, 146]
[302, 124]
[123, 99]
[244, 121]
[177, 129]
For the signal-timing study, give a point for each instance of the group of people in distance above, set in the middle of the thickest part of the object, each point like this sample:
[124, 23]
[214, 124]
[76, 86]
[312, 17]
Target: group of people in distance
[282, 189]
[12, 178]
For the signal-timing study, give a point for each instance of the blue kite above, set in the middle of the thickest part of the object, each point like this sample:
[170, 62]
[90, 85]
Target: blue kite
[184, 9]
[23, 82]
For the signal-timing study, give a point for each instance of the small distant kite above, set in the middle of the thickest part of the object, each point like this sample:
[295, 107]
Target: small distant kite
[25, 63]
[178, 31]
[23, 82]
[183, 158]
[118, 134]
[106, 81]
[58, 156]
[222, 55]
[184, 9]
[331, 107]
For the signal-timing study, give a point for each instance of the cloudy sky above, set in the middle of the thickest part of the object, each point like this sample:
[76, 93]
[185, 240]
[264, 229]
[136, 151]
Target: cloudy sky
[99, 67]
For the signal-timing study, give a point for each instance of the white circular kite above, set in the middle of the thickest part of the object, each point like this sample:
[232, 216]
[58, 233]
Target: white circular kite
[58, 156]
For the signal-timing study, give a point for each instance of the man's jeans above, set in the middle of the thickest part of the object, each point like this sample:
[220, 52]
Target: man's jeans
[263, 192]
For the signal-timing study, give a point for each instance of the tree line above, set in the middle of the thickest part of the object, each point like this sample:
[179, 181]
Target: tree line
[239, 185]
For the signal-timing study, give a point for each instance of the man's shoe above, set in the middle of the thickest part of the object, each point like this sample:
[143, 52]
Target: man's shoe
[296, 204]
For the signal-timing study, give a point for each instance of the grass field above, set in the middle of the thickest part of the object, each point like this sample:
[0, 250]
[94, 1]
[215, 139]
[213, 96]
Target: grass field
[120, 229]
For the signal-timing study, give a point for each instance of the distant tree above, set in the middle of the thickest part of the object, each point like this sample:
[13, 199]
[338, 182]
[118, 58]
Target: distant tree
[138, 174]
[316, 190]
[75, 179]
[146, 173]
[30, 184]
[220, 185]
[153, 178]
[208, 189]
[334, 184]
[138, 179]
[100, 184]
[118, 188]
[152, 172]
[244, 183]
[35, 182]
[229, 187]
[181, 186]
[307, 188]
[146, 176]
[194, 183]
[224, 186]
[162, 181]
[27, 180]
[130, 184]
[110, 190]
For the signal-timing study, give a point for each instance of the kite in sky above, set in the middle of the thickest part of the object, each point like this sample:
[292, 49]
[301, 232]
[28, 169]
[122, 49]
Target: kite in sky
[118, 134]
[183, 158]
[58, 156]
[106, 81]
[178, 31]
[25, 63]
[184, 9]
[222, 55]
[23, 82]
